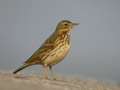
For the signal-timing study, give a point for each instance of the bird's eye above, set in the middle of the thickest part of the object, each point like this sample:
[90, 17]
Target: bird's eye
[66, 24]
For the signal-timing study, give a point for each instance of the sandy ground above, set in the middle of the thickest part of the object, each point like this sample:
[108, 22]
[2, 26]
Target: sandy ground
[36, 81]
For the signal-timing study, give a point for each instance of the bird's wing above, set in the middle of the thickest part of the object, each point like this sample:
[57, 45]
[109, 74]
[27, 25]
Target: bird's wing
[47, 46]
[37, 56]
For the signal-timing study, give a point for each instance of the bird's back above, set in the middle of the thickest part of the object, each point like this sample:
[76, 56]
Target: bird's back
[53, 49]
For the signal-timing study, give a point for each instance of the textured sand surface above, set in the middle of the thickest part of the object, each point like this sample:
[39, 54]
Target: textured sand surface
[36, 81]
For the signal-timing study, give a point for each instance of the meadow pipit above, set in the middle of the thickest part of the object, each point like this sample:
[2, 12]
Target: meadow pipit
[53, 50]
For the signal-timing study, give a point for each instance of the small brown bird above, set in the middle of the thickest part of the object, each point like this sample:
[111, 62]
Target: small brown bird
[53, 50]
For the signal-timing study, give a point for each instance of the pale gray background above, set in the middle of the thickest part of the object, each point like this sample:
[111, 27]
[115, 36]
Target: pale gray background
[95, 50]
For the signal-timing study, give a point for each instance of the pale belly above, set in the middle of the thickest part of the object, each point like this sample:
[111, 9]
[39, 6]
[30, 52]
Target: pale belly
[56, 55]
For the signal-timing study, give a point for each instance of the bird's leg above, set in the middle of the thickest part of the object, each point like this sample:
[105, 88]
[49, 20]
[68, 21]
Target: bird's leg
[45, 69]
[52, 73]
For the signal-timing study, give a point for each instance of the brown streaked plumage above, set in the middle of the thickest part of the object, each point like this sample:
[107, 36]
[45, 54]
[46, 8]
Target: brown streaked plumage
[53, 50]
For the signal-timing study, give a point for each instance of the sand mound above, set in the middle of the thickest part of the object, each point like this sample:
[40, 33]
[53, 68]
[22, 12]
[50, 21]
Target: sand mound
[22, 81]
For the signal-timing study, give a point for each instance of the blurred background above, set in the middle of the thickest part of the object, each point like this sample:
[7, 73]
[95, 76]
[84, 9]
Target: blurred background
[95, 42]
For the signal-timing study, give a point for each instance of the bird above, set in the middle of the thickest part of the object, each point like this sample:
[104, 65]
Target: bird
[53, 50]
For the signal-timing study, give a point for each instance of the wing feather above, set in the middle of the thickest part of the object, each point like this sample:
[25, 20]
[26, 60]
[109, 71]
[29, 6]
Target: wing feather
[47, 46]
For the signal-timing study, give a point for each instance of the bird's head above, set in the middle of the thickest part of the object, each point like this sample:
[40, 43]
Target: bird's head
[65, 26]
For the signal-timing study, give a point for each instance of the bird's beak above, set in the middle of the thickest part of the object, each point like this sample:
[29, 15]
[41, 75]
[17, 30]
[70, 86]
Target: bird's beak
[74, 24]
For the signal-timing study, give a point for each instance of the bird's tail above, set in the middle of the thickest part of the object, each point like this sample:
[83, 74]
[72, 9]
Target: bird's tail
[19, 69]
